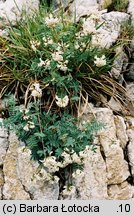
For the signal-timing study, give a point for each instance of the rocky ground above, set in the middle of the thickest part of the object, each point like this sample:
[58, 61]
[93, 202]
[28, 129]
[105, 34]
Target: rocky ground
[109, 173]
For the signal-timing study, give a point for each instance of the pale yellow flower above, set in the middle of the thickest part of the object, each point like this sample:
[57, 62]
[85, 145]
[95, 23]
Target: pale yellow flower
[47, 41]
[58, 56]
[62, 66]
[100, 62]
[51, 164]
[34, 44]
[25, 117]
[51, 21]
[36, 90]
[41, 63]
[28, 126]
[76, 158]
[62, 102]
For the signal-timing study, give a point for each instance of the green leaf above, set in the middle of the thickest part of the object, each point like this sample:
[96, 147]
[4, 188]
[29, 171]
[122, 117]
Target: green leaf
[74, 98]
[41, 135]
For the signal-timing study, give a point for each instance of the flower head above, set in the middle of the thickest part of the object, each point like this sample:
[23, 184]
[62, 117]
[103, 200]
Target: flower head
[57, 56]
[63, 66]
[100, 62]
[51, 164]
[47, 41]
[23, 109]
[51, 21]
[34, 44]
[62, 102]
[76, 158]
[67, 158]
[36, 90]
[28, 126]
[44, 63]
[41, 63]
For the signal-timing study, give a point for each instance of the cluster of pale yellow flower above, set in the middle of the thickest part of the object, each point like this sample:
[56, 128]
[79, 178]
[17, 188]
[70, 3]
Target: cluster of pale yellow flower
[47, 172]
[50, 163]
[88, 27]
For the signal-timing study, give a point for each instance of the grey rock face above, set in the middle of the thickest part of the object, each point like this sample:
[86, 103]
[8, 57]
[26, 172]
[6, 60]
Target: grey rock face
[19, 170]
[129, 76]
[120, 63]
[107, 167]
[38, 188]
[12, 10]
[130, 147]
[131, 12]
[109, 32]
[3, 143]
[82, 7]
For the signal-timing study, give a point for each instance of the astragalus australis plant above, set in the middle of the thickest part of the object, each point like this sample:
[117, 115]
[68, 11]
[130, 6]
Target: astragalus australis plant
[48, 64]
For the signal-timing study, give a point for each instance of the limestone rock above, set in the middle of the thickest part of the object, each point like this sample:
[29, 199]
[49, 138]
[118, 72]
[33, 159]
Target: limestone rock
[121, 191]
[110, 30]
[1, 182]
[129, 76]
[133, 191]
[107, 135]
[3, 149]
[120, 63]
[82, 7]
[114, 105]
[131, 157]
[60, 3]
[11, 10]
[81, 4]
[130, 91]
[3, 143]
[19, 169]
[104, 3]
[131, 10]
[26, 169]
[3, 131]
[121, 131]
[93, 185]
[12, 188]
[130, 147]
[130, 124]
[117, 167]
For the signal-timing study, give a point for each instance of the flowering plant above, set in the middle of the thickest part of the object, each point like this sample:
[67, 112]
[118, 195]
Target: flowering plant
[51, 61]
[59, 143]
[56, 53]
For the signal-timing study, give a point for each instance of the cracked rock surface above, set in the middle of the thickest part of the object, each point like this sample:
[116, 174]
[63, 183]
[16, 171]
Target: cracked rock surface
[12, 10]
[18, 171]
[106, 172]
